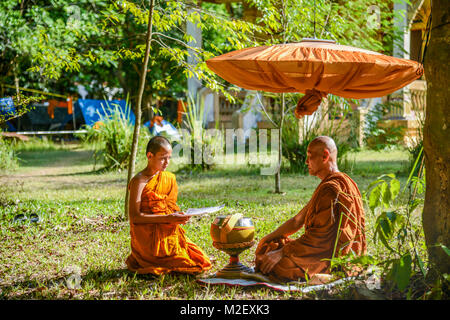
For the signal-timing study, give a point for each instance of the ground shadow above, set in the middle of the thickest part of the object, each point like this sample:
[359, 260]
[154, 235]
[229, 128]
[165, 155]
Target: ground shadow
[36, 287]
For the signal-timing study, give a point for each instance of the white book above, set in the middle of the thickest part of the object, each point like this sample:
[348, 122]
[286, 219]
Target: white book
[201, 211]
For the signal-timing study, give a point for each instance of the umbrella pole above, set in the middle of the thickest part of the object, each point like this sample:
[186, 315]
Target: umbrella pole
[280, 142]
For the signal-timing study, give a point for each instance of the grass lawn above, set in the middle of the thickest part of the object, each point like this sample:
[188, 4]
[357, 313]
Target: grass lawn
[82, 227]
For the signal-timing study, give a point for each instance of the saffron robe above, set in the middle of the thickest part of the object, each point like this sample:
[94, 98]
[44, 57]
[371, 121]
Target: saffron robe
[335, 212]
[159, 248]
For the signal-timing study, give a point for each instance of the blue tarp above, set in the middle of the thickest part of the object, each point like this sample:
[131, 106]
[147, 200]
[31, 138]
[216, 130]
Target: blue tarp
[7, 109]
[93, 110]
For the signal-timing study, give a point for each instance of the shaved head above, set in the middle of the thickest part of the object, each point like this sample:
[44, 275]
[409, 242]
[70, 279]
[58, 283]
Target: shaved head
[324, 143]
[157, 143]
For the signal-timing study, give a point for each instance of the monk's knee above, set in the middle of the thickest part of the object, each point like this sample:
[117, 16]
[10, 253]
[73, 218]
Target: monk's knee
[287, 270]
[286, 263]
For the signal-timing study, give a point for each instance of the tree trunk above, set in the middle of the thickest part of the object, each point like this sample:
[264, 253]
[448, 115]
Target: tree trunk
[138, 109]
[436, 218]
[122, 80]
[16, 81]
[148, 105]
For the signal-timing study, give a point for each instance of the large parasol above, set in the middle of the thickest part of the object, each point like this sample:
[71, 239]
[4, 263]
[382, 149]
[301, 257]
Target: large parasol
[316, 68]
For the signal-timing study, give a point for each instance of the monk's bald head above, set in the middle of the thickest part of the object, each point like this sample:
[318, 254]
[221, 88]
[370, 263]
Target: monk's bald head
[158, 143]
[322, 143]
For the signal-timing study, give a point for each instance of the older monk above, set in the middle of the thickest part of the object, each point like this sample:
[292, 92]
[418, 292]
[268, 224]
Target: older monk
[333, 220]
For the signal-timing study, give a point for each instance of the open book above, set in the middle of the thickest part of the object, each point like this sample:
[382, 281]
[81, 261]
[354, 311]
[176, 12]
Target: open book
[201, 211]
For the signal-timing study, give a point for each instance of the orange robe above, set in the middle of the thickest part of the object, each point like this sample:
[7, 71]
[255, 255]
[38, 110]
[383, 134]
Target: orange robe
[162, 248]
[335, 205]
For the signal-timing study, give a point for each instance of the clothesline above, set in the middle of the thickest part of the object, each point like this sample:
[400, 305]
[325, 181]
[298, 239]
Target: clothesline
[35, 91]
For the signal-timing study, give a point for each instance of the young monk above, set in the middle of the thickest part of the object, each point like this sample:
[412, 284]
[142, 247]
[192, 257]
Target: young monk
[333, 221]
[158, 242]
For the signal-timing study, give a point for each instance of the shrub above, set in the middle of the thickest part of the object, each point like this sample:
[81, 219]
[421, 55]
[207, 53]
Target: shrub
[8, 158]
[377, 137]
[294, 151]
[112, 136]
[209, 144]
[325, 121]
[398, 229]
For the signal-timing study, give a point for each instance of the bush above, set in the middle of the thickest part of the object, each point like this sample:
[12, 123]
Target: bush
[295, 152]
[112, 138]
[209, 144]
[377, 137]
[8, 158]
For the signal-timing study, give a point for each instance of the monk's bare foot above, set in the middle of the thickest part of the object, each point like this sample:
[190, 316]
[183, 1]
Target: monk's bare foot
[320, 278]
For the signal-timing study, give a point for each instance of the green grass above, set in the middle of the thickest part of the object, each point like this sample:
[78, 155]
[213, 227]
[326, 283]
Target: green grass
[375, 163]
[82, 225]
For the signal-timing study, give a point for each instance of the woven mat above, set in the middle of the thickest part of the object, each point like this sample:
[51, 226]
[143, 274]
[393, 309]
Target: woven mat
[297, 286]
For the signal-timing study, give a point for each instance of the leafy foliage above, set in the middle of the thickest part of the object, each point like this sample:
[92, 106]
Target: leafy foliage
[8, 157]
[21, 105]
[201, 145]
[393, 226]
[46, 36]
[377, 137]
[349, 22]
[112, 136]
[42, 42]
[322, 122]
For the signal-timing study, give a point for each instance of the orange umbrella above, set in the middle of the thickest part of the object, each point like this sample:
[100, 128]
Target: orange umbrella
[316, 68]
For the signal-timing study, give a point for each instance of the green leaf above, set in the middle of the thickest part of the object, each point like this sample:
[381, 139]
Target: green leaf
[421, 264]
[445, 248]
[374, 183]
[383, 240]
[401, 271]
[394, 188]
[386, 226]
[365, 260]
[374, 197]
[390, 175]
[385, 194]
[413, 169]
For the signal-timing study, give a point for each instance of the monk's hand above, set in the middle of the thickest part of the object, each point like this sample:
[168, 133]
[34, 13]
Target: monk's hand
[261, 243]
[178, 218]
[269, 260]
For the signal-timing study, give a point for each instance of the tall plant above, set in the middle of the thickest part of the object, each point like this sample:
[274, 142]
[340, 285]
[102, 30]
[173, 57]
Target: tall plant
[331, 119]
[376, 137]
[398, 231]
[202, 146]
[8, 158]
[112, 137]
[395, 229]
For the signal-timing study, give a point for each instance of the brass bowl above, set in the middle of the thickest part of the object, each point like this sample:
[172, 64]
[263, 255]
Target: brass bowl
[233, 234]
[243, 231]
